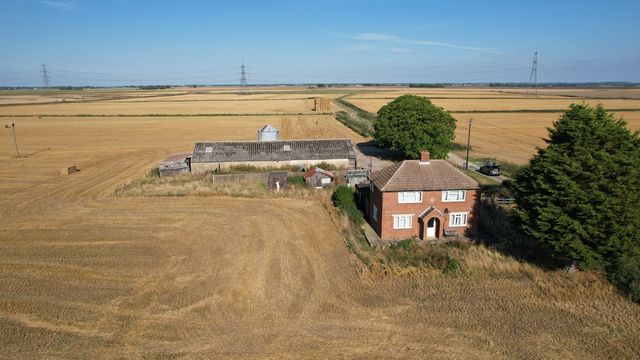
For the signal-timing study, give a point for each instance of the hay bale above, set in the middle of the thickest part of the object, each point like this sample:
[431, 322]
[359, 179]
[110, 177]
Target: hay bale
[69, 170]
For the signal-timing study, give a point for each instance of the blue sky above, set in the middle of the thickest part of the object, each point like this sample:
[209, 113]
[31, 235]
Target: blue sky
[116, 42]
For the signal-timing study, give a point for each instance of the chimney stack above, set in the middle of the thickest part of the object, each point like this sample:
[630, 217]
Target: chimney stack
[424, 157]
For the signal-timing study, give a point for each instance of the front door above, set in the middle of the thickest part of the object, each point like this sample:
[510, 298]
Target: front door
[432, 226]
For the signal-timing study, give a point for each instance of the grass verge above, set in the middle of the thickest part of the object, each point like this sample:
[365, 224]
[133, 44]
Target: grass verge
[361, 127]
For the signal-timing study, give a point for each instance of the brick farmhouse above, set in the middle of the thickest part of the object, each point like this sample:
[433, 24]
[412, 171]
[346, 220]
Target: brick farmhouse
[427, 199]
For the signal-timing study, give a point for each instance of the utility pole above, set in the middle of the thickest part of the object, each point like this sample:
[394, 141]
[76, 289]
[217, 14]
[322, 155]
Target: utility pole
[243, 78]
[15, 143]
[533, 78]
[466, 164]
[45, 76]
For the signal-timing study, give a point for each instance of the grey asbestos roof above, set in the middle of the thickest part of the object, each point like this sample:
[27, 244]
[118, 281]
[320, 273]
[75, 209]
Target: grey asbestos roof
[412, 175]
[283, 150]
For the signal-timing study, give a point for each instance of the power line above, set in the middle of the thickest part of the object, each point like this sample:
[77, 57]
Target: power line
[533, 78]
[243, 78]
[45, 76]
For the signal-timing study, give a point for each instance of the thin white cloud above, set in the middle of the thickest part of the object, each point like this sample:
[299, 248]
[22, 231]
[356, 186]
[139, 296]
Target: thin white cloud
[400, 50]
[66, 5]
[400, 40]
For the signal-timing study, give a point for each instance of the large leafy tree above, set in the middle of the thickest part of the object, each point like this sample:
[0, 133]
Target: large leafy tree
[580, 196]
[412, 123]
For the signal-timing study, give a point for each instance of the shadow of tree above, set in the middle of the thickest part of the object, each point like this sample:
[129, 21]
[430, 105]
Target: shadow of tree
[497, 231]
[370, 148]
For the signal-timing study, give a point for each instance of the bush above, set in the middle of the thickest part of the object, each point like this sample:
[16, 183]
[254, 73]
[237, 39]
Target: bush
[343, 199]
[154, 173]
[452, 267]
[297, 180]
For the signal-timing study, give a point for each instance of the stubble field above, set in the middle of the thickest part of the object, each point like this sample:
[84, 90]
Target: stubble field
[86, 274]
[508, 124]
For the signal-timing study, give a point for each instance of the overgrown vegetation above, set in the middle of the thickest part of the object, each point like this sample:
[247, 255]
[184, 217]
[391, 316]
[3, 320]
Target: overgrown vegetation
[206, 185]
[297, 180]
[361, 113]
[362, 127]
[243, 169]
[344, 200]
[579, 196]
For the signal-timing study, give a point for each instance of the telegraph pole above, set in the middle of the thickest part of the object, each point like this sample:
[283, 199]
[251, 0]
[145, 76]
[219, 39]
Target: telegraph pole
[45, 76]
[466, 164]
[15, 143]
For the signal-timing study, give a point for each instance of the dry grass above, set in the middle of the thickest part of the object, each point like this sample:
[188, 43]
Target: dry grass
[86, 274]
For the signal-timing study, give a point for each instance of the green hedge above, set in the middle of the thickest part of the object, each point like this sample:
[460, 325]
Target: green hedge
[343, 199]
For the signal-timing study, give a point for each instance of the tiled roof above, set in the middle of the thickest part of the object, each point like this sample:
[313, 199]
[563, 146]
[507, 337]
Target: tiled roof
[412, 175]
[223, 151]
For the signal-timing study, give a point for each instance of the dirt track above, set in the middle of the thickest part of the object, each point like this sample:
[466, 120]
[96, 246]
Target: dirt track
[85, 274]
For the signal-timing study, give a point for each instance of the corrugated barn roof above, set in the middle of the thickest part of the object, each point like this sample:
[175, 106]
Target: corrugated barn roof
[283, 150]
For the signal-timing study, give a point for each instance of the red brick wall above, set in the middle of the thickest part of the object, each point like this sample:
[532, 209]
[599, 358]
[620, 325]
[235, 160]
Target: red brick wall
[388, 206]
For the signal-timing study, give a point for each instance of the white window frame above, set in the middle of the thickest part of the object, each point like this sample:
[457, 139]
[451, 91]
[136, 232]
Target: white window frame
[447, 194]
[464, 217]
[403, 194]
[407, 220]
[375, 213]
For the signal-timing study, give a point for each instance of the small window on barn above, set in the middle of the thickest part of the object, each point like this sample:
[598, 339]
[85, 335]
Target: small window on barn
[286, 148]
[208, 149]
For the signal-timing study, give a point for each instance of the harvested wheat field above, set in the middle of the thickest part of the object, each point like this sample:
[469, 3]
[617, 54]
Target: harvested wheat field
[87, 274]
[508, 124]
[510, 104]
[514, 137]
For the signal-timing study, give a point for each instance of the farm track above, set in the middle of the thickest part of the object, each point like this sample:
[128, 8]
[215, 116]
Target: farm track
[85, 274]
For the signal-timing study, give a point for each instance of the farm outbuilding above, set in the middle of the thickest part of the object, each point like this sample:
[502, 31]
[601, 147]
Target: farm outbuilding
[175, 164]
[318, 178]
[277, 181]
[223, 155]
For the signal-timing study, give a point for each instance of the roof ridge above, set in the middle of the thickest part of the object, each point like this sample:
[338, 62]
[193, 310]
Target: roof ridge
[275, 141]
[394, 174]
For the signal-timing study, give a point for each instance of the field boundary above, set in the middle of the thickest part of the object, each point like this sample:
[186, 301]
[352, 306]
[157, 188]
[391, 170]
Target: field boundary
[161, 115]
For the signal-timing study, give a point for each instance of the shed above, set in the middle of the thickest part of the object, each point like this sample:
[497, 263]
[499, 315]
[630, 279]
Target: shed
[268, 133]
[357, 176]
[318, 178]
[277, 181]
[175, 164]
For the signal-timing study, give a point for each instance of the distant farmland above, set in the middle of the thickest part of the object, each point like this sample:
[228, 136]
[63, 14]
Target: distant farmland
[508, 124]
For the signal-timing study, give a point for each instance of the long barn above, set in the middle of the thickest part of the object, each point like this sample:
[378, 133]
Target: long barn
[222, 155]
